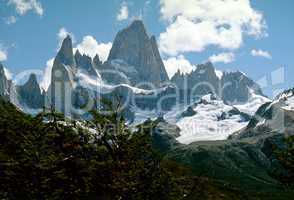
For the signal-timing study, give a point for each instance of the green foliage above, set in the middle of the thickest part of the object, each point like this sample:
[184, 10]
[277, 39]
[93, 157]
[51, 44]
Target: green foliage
[50, 157]
[286, 158]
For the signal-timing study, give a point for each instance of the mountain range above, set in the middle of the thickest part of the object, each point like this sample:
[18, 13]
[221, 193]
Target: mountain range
[135, 72]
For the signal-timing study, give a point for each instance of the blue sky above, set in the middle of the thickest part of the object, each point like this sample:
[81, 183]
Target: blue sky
[30, 32]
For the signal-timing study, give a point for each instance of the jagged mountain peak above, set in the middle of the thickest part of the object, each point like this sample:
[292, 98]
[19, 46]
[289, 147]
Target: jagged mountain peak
[137, 25]
[32, 84]
[65, 53]
[96, 60]
[30, 93]
[32, 78]
[79, 56]
[1, 67]
[205, 68]
[78, 53]
[133, 46]
[84, 63]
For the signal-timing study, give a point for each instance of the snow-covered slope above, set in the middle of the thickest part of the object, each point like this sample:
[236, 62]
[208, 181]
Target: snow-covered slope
[213, 120]
[254, 102]
[97, 84]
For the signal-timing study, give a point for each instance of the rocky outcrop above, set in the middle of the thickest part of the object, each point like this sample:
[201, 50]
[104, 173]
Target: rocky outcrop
[4, 83]
[65, 53]
[62, 78]
[233, 87]
[84, 63]
[30, 94]
[275, 117]
[199, 82]
[237, 87]
[134, 47]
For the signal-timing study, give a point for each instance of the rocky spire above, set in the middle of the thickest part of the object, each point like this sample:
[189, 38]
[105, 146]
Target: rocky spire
[30, 93]
[33, 80]
[133, 46]
[203, 80]
[97, 61]
[4, 83]
[163, 73]
[237, 87]
[62, 77]
[84, 63]
[65, 54]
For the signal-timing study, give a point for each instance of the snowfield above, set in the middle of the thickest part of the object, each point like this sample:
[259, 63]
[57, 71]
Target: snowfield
[206, 124]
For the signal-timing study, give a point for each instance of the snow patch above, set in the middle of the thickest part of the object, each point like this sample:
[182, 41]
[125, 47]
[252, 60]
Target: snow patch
[219, 74]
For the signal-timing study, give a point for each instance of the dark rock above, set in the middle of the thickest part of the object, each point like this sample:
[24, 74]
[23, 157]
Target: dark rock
[236, 87]
[84, 63]
[133, 46]
[65, 54]
[30, 93]
[189, 112]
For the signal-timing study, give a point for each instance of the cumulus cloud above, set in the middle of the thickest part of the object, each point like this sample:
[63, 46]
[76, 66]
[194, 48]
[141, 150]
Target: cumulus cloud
[222, 57]
[10, 20]
[195, 24]
[91, 47]
[123, 12]
[24, 6]
[3, 55]
[173, 64]
[261, 53]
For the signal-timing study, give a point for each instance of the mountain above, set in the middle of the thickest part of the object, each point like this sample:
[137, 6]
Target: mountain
[231, 87]
[85, 64]
[249, 158]
[237, 87]
[7, 87]
[4, 83]
[207, 119]
[78, 82]
[30, 94]
[62, 78]
[272, 118]
[134, 47]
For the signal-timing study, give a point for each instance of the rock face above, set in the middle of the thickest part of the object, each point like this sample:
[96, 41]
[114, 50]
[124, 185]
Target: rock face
[30, 93]
[62, 79]
[84, 63]
[275, 117]
[4, 83]
[133, 46]
[65, 54]
[237, 87]
[233, 87]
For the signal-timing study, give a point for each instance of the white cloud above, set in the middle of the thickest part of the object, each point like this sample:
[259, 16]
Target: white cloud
[196, 24]
[173, 64]
[123, 12]
[23, 6]
[3, 54]
[46, 80]
[11, 20]
[91, 47]
[222, 57]
[261, 53]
